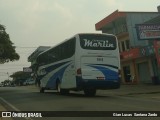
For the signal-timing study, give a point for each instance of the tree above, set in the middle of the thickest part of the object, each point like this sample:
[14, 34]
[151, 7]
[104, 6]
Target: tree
[7, 50]
[7, 82]
[20, 76]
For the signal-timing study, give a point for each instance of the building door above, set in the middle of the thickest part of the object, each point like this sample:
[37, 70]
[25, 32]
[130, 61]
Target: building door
[143, 72]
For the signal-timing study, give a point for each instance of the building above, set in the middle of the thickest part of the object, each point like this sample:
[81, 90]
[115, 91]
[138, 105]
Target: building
[156, 44]
[138, 58]
[33, 56]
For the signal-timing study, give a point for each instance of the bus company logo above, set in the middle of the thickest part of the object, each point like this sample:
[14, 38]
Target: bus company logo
[6, 114]
[21, 114]
[98, 43]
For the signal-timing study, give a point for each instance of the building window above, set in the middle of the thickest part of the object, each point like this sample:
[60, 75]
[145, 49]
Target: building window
[123, 45]
[127, 45]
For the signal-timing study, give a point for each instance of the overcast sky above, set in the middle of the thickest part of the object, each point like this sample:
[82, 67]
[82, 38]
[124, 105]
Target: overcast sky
[33, 23]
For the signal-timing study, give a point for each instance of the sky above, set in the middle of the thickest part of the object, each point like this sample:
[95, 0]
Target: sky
[33, 23]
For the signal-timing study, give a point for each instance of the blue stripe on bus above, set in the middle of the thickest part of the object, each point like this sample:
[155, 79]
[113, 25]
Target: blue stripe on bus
[55, 66]
[51, 68]
[58, 75]
[108, 65]
[109, 74]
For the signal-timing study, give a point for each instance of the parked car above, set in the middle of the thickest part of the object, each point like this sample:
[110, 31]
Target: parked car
[25, 82]
[29, 82]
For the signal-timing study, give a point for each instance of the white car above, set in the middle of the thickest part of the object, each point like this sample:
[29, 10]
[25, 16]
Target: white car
[29, 82]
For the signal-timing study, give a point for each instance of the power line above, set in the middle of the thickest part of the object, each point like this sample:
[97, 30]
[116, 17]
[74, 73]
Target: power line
[25, 47]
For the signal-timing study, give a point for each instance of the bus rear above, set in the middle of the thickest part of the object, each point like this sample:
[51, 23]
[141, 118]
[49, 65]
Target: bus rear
[98, 62]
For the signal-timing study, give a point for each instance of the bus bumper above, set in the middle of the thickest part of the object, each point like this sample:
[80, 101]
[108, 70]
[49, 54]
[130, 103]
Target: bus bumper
[97, 84]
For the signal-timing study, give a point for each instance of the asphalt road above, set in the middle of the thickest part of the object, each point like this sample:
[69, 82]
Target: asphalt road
[26, 99]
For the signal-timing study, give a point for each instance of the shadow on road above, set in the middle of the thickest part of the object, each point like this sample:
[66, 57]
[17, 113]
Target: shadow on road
[74, 94]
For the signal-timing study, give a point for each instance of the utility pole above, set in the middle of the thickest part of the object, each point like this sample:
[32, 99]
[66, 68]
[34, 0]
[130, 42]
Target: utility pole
[8, 75]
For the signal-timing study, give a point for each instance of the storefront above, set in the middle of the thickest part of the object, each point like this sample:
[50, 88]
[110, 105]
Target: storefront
[137, 65]
[128, 66]
[151, 34]
[156, 62]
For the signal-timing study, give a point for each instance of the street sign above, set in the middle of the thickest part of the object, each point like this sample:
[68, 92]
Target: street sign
[147, 51]
[131, 54]
[148, 31]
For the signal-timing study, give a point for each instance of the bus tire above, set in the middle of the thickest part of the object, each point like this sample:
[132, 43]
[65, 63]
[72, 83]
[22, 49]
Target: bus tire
[62, 91]
[90, 92]
[58, 87]
[42, 89]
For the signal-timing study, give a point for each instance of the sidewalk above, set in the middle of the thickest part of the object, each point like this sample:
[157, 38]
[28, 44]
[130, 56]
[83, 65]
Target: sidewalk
[132, 90]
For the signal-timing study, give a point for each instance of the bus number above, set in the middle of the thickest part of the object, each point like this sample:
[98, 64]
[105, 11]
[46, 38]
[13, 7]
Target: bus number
[100, 59]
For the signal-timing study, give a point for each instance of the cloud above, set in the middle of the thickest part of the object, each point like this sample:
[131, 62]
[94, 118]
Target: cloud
[63, 10]
[48, 19]
[110, 2]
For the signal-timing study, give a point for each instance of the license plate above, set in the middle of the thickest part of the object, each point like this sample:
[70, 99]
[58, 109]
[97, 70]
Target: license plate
[100, 78]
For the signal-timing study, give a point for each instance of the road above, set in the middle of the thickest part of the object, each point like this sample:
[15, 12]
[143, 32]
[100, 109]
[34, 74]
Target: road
[29, 99]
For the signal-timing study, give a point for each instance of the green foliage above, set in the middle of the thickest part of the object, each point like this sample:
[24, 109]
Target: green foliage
[20, 75]
[7, 50]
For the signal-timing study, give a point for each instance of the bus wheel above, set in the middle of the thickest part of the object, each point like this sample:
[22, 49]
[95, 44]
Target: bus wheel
[62, 91]
[58, 87]
[90, 92]
[42, 89]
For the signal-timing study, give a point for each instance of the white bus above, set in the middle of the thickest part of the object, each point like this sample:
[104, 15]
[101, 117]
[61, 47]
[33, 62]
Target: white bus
[84, 62]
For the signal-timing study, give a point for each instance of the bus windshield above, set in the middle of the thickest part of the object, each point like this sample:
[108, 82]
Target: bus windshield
[98, 42]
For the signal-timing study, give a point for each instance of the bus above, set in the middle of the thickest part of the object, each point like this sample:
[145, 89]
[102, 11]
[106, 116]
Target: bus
[85, 62]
